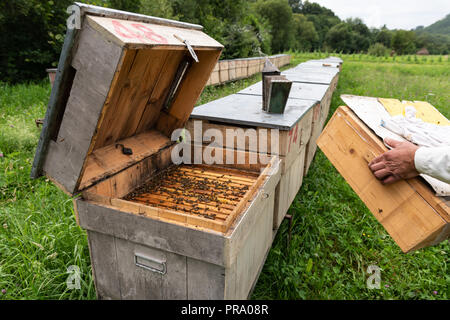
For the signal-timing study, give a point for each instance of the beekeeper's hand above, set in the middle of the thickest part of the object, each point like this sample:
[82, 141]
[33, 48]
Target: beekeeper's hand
[396, 164]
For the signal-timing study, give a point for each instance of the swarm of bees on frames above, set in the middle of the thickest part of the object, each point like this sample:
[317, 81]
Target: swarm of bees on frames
[190, 192]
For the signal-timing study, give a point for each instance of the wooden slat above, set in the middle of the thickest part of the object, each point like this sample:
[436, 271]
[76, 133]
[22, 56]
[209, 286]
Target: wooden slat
[139, 34]
[109, 160]
[168, 214]
[188, 93]
[158, 96]
[400, 208]
[95, 61]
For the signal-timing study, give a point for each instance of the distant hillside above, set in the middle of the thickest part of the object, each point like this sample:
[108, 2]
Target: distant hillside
[439, 27]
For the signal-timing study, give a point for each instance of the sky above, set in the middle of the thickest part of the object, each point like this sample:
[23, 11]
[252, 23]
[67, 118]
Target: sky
[396, 14]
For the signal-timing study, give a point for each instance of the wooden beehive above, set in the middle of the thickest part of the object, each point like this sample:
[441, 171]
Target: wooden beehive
[214, 79]
[223, 71]
[322, 76]
[232, 70]
[125, 83]
[408, 210]
[240, 70]
[239, 112]
[308, 91]
[253, 66]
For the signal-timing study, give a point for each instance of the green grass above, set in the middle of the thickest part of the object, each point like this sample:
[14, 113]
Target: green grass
[334, 237]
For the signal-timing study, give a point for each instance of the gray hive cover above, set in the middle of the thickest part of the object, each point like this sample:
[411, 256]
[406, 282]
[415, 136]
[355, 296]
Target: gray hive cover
[244, 109]
[320, 63]
[311, 68]
[334, 59]
[307, 76]
[306, 91]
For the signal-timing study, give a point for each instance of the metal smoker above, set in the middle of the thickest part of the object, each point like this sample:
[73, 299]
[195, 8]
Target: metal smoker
[276, 89]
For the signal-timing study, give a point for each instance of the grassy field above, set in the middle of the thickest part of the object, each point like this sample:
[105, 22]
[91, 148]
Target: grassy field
[334, 237]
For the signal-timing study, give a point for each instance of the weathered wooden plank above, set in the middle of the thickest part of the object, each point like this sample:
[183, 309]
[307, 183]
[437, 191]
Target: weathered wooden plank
[67, 154]
[189, 91]
[223, 71]
[320, 116]
[107, 161]
[137, 282]
[159, 234]
[205, 281]
[56, 103]
[102, 248]
[255, 211]
[251, 255]
[113, 13]
[290, 183]
[134, 34]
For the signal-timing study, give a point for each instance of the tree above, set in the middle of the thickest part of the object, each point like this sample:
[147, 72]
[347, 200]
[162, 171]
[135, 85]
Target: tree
[349, 36]
[384, 36]
[157, 8]
[316, 9]
[403, 42]
[31, 37]
[126, 5]
[339, 38]
[306, 36]
[279, 15]
[435, 43]
[360, 33]
[296, 5]
[322, 18]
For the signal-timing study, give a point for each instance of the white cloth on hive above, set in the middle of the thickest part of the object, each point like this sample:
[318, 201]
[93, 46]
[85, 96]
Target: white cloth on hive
[417, 131]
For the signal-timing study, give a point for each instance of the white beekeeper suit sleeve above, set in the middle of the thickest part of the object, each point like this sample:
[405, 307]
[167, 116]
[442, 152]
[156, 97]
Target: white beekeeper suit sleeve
[434, 162]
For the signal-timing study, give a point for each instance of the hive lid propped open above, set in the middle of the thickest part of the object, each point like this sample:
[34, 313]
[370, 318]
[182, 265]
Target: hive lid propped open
[124, 81]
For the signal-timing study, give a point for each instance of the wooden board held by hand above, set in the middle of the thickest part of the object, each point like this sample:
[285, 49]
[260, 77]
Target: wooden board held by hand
[408, 210]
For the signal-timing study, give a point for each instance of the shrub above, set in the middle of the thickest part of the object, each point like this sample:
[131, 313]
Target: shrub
[378, 50]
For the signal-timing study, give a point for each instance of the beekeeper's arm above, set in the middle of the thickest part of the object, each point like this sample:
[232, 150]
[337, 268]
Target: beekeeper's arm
[434, 162]
[406, 160]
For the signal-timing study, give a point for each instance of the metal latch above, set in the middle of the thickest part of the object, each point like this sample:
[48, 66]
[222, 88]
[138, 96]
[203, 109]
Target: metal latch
[151, 264]
[125, 150]
[189, 47]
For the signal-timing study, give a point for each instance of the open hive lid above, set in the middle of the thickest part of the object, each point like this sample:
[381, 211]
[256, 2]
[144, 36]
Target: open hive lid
[123, 80]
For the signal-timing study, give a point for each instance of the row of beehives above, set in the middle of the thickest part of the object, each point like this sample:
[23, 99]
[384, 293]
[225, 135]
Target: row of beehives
[231, 70]
[299, 127]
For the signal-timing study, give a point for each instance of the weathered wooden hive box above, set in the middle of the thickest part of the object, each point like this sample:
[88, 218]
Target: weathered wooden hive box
[409, 210]
[215, 75]
[223, 71]
[156, 230]
[317, 77]
[285, 135]
[232, 70]
[241, 68]
[253, 66]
